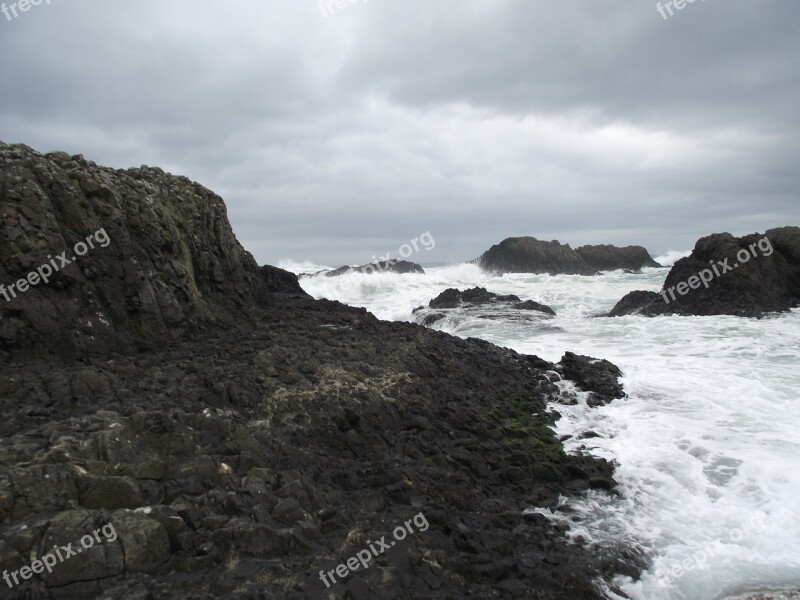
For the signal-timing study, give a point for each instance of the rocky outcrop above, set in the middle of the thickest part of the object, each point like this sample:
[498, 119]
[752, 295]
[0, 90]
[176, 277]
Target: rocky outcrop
[281, 282]
[166, 265]
[746, 277]
[639, 302]
[453, 298]
[257, 436]
[529, 255]
[599, 378]
[611, 258]
[475, 299]
[399, 267]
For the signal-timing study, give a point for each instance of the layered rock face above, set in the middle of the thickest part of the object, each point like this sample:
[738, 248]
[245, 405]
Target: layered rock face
[529, 255]
[171, 264]
[240, 436]
[611, 258]
[746, 277]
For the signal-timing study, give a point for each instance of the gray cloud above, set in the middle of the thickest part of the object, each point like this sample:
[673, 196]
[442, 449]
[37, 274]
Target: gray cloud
[336, 138]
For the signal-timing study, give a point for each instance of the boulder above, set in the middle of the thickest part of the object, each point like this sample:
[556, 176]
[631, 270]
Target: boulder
[598, 377]
[478, 296]
[745, 277]
[475, 298]
[399, 267]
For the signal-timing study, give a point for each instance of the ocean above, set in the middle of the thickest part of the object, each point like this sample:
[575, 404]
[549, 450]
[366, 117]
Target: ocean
[706, 446]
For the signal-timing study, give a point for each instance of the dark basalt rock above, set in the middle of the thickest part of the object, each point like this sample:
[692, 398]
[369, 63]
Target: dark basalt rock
[529, 255]
[399, 267]
[281, 282]
[453, 298]
[600, 377]
[767, 282]
[251, 436]
[640, 302]
[611, 258]
[173, 265]
[475, 298]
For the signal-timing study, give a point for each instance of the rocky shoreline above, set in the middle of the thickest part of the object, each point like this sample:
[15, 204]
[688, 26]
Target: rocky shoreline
[243, 437]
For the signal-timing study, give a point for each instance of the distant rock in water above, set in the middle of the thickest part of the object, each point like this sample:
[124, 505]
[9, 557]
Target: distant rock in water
[611, 258]
[476, 298]
[529, 255]
[640, 302]
[399, 267]
[745, 277]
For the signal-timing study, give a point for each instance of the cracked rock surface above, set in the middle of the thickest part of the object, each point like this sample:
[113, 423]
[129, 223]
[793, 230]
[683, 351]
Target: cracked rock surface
[241, 436]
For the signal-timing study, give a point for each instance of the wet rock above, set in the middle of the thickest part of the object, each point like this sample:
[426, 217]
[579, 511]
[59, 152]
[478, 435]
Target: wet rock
[600, 377]
[263, 435]
[529, 255]
[610, 258]
[475, 298]
[745, 277]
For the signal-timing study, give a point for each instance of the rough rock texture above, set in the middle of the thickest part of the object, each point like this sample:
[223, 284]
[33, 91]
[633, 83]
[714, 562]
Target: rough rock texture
[640, 302]
[258, 436]
[173, 265]
[476, 298]
[769, 281]
[399, 267]
[281, 282]
[611, 258]
[529, 255]
[453, 298]
[599, 377]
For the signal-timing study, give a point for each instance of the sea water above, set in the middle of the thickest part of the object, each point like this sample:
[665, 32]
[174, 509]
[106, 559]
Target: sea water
[706, 446]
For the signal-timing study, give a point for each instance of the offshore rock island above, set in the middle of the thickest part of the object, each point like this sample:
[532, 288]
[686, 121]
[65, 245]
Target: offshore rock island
[242, 436]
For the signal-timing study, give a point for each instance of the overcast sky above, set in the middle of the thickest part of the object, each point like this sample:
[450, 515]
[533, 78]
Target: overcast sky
[341, 134]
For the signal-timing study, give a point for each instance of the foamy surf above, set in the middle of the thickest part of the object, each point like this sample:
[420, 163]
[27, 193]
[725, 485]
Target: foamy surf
[707, 445]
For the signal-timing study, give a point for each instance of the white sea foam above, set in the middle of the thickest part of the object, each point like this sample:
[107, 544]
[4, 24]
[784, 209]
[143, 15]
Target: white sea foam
[671, 257]
[707, 444]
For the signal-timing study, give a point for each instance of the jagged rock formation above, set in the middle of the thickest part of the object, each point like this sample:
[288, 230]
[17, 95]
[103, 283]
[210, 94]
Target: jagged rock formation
[400, 267]
[241, 436]
[599, 376]
[611, 258]
[746, 277]
[475, 298]
[529, 255]
[172, 265]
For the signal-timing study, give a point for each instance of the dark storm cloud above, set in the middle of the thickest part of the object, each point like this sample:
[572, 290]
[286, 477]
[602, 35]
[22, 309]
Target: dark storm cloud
[335, 138]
